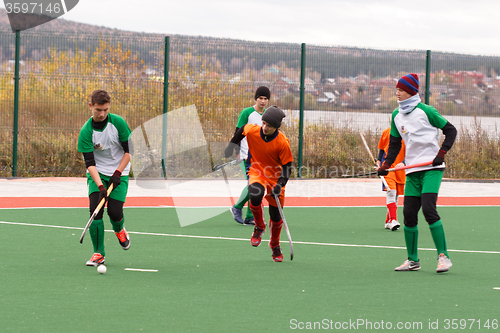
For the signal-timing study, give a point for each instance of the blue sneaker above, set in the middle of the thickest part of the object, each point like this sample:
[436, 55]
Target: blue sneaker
[249, 221]
[237, 214]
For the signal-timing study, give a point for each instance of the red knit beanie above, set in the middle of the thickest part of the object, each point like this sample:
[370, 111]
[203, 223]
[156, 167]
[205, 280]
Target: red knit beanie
[409, 83]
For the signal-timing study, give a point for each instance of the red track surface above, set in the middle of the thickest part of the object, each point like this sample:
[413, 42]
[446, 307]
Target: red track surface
[47, 202]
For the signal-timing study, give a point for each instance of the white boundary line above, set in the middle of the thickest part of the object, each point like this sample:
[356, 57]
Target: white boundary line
[246, 239]
[141, 270]
[218, 207]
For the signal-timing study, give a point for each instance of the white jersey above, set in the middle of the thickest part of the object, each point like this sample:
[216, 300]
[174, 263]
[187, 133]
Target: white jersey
[106, 144]
[419, 130]
[248, 116]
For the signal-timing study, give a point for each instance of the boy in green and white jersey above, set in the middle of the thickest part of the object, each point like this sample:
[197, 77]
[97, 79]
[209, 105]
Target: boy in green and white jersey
[251, 115]
[103, 141]
[418, 125]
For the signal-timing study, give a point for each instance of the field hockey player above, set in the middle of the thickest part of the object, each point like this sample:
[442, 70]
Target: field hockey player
[103, 141]
[250, 115]
[270, 167]
[418, 125]
[395, 180]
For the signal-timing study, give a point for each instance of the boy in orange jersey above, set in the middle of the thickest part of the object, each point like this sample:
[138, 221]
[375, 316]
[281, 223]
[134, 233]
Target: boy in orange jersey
[395, 180]
[270, 159]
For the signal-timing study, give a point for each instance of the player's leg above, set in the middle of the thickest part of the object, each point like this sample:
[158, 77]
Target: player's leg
[432, 183]
[275, 226]
[391, 203]
[412, 204]
[249, 219]
[115, 212]
[96, 231]
[256, 191]
[237, 209]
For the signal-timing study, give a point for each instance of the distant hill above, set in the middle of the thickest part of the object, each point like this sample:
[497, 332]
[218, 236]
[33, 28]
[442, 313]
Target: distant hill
[235, 55]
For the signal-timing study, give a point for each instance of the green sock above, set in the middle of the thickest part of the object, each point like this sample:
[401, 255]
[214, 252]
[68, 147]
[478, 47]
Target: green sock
[411, 239]
[437, 232]
[244, 197]
[249, 213]
[96, 231]
[118, 225]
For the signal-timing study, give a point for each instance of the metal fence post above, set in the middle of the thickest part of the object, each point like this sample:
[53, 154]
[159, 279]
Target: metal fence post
[301, 107]
[427, 76]
[165, 105]
[16, 105]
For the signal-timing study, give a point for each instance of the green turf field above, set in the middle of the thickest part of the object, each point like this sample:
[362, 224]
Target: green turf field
[220, 283]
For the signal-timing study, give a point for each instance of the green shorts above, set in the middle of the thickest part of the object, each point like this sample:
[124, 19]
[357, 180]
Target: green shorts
[120, 193]
[428, 181]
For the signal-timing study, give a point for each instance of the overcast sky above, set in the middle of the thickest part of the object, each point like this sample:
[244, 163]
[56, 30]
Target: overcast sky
[463, 26]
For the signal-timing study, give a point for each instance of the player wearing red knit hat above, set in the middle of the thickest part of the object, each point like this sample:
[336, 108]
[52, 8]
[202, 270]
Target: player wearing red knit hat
[418, 125]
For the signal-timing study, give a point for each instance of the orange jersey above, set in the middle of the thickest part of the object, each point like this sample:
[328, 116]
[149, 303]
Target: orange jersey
[383, 144]
[266, 158]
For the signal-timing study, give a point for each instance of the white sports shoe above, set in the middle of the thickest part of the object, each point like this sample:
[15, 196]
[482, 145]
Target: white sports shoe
[408, 265]
[392, 225]
[444, 264]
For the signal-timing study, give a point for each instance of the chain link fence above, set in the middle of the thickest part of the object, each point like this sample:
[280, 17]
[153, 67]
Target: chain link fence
[345, 91]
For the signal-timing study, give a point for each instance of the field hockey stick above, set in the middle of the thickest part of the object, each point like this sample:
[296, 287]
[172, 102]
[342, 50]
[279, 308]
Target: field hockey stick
[94, 214]
[221, 166]
[373, 160]
[416, 165]
[227, 185]
[145, 135]
[278, 204]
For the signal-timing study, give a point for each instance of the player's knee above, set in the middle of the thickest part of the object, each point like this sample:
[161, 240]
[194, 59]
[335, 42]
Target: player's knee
[274, 213]
[256, 192]
[391, 196]
[429, 207]
[115, 210]
[410, 211]
[94, 202]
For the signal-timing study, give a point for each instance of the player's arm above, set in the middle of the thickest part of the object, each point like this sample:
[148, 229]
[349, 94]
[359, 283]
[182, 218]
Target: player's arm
[450, 134]
[126, 157]
[115, 178]
[286, 171]
[237, 137]
[90, 165]
[393, 151]
[380, 157]
[236, 131]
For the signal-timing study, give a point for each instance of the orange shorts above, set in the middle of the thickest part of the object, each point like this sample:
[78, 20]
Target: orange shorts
[269, 186]
[393, 185]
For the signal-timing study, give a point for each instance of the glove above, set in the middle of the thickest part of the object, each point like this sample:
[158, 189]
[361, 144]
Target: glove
[103, 193]
[228, 152]
[276, 191]
[382, 171]
[115, 179]
[439, 159]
